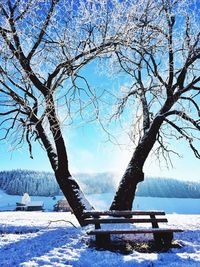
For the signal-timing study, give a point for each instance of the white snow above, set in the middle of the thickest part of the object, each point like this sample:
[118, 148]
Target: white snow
[32, 239]
[28, 239]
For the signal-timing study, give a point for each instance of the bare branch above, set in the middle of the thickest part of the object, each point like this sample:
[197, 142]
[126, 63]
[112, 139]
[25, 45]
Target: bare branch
[9, 112]
[182, 75]
[187, 137]
[16, 85]
[21, 16]
[23, 61]
[184, 116]
[68, 65]
[156, 73]
[43, 29]
[196, 152]
[193, 102]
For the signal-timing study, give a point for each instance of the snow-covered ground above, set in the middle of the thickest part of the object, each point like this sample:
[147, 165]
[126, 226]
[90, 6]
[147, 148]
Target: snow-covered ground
[29, 239]
[49, 239]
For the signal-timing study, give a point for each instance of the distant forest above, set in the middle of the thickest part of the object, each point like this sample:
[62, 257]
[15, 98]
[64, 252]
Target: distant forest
[17, 182]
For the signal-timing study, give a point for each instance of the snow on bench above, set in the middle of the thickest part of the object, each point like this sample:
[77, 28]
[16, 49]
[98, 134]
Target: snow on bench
[162, 236]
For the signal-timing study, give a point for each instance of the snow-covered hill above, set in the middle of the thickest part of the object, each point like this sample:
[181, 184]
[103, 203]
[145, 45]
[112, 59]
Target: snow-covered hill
[28, 239]
[17, 182]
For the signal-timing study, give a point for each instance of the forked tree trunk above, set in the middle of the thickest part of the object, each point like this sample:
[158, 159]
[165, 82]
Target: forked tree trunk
[125, 194]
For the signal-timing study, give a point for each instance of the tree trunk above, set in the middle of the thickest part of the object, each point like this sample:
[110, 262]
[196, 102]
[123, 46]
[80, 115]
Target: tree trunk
[125, 194]
[133, 175]
[126, 191]
[73, 194]
[59, 162]
[68, 185]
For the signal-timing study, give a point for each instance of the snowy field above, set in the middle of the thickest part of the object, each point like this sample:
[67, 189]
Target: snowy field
[49, 239]
[29, 239]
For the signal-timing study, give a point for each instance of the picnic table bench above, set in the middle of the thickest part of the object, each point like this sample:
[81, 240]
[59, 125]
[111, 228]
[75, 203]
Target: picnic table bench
[162, 236]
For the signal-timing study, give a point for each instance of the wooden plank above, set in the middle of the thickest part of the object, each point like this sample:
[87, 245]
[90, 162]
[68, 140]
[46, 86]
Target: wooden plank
[122, 213]
[123, 220]
[133, 231]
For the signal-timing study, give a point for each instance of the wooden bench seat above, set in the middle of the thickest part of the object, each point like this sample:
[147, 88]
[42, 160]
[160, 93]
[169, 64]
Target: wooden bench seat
[123, 220]
[133, 231]
[94, 213]
[162, 236]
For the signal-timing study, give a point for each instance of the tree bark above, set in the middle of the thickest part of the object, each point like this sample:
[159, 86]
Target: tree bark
[73, 194]
[59, 162]
[125, 194]
[68, 185]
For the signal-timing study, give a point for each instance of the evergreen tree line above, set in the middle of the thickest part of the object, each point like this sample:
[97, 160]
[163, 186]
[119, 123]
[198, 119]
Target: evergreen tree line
[17, 182]
[168, 187]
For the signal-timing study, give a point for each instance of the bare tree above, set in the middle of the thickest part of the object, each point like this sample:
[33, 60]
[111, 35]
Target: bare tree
[165, 91]
[43, 46]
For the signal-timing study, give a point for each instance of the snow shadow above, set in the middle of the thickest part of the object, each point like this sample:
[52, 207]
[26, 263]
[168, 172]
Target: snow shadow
[67, 245]
[184, 256]
[10, 229]
[30, 246]
[175, 258]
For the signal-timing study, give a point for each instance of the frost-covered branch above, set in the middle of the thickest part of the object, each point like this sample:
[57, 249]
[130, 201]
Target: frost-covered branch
[183, 115]
[184, 134]
[43, 29]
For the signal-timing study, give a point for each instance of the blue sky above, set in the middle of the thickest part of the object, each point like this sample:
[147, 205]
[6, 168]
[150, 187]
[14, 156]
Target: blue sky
[88, 150]
[92, 154]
